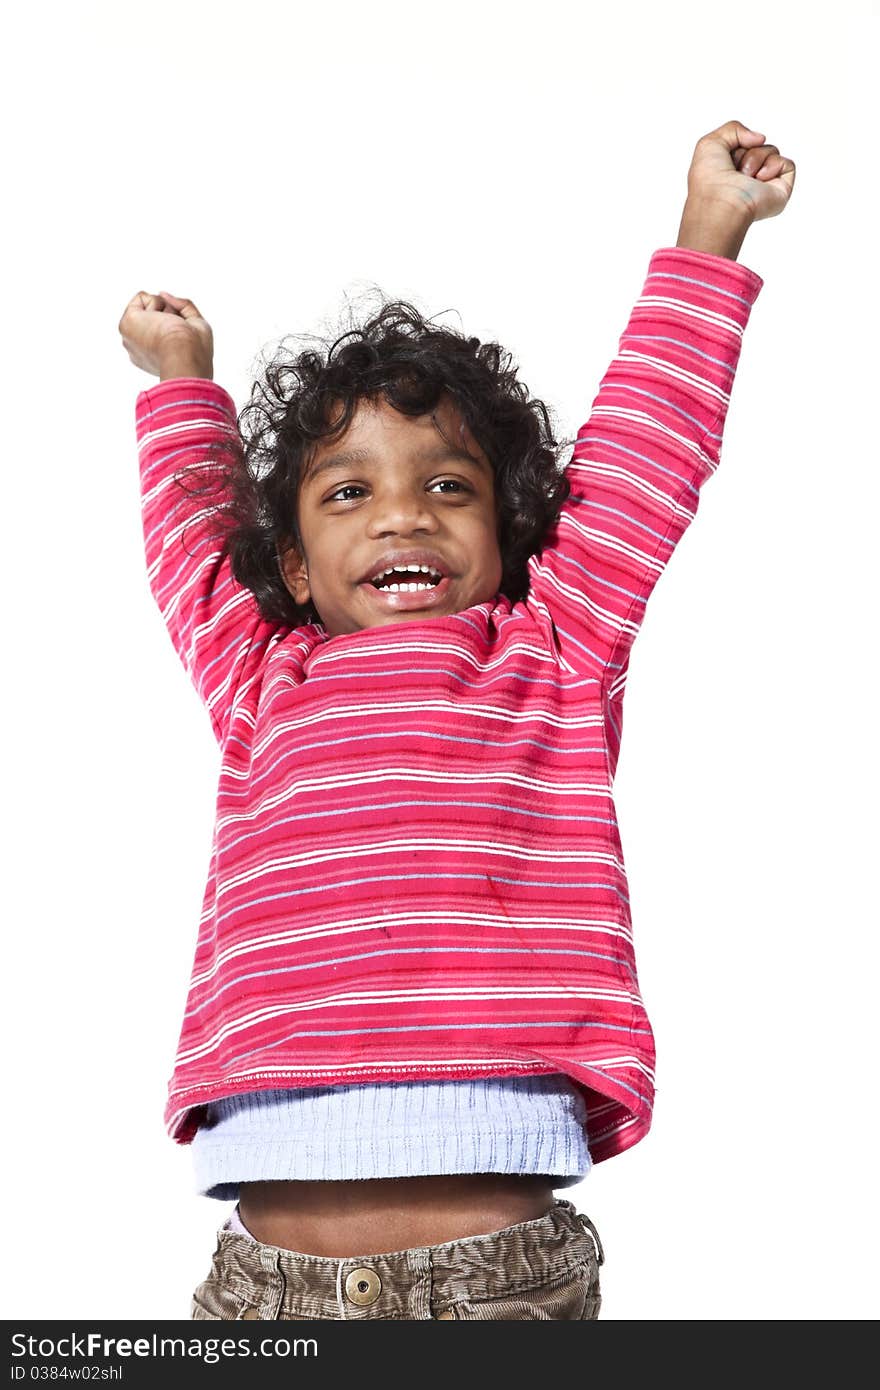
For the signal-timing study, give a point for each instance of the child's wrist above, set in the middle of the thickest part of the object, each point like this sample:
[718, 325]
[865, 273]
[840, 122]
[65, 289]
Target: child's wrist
[179, 364]
[713, 227]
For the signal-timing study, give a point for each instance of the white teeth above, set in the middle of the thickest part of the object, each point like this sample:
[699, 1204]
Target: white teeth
[405, 588]
[413, 569]
[435, 578]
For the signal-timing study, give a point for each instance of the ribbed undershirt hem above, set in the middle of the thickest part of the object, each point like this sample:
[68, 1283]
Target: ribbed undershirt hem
[522, 1125]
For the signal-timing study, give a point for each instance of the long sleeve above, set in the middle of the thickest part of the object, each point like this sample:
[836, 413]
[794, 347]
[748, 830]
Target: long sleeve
[652, 439]
[213, 621]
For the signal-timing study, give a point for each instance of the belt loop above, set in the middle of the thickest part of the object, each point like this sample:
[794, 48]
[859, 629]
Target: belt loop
[270, 1259]
[600, 1253]
[421, 1268]
[340, 1301]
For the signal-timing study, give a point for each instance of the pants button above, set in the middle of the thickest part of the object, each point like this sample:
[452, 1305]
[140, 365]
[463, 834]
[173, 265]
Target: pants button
[447, 1313]
[250, 1313]
[363, 1286]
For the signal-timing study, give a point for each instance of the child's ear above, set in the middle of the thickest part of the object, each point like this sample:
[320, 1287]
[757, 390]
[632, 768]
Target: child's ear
[294, 572]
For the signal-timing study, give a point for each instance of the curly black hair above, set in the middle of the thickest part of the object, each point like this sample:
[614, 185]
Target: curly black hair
[406, 359]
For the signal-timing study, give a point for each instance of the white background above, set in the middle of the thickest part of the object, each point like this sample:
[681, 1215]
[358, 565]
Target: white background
[517, 164]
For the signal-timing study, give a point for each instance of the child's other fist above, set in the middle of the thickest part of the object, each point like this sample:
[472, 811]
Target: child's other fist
[166, 335]
[733, 165]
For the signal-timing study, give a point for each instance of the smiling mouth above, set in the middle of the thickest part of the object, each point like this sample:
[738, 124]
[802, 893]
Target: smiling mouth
[402, 597]
[407, 578]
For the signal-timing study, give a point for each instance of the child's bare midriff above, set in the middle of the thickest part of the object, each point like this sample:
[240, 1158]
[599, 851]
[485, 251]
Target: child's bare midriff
[374, 1216]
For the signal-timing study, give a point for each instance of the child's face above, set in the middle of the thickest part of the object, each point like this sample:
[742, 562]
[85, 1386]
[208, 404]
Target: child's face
[407, 485]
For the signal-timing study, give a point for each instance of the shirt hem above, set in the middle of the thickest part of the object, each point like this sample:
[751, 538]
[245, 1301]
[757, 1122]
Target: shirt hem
[618, 1111]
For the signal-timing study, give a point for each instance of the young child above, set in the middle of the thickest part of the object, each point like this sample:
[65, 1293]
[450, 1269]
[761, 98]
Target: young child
[414, 1010]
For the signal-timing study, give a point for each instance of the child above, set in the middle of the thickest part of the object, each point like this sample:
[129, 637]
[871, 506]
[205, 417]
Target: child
[414, 1010]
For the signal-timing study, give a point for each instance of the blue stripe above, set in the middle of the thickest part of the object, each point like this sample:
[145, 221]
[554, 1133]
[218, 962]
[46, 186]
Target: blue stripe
[681, 483]
[627, 516]
[661, 400]
[241, 643]
[618, 729]
[688, 347]
[705, 284]
[573, 642]
[491, 677]
[396, 878]
[200, 401]
[381, 806]
[478, 628]
[408, 951]
[209, 456]
[447, 738]
[606, 583]
[200, 543]
[633, 1090]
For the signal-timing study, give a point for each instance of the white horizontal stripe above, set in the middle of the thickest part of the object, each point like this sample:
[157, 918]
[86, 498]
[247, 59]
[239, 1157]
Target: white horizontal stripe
[433, 846]
[617, 686]
[192, 422]
[596, 926]
[378, 777]
[607, 541]
[620, 413]
[603, 469]
[625, 1063]
[446, 813]
[580, 601]
[454, 993]
[691, 311]
[445, 649]
[677, 373]
[597, 1111]
[171, 484]
[452, 703]
[264, 1015]
[161, 562]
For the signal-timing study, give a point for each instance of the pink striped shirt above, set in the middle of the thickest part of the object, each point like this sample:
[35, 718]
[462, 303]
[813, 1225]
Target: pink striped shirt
[416, 869]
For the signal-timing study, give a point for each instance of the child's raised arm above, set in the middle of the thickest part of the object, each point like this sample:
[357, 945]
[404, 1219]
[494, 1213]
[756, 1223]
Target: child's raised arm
[654, 432]
[184, 425]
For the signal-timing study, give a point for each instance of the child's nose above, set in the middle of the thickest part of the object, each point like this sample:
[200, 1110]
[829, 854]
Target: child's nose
[400, 510]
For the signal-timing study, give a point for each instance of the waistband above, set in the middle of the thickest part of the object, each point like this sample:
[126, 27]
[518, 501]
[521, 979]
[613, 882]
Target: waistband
[287, 1282]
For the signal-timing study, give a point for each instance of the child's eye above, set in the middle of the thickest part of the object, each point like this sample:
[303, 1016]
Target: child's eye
[451, 481]
[353, 487]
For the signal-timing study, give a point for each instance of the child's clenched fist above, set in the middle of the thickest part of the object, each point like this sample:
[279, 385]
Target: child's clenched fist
[167, 336]
[732, 165]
